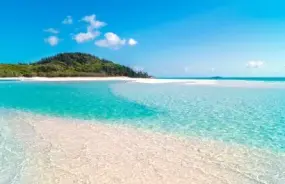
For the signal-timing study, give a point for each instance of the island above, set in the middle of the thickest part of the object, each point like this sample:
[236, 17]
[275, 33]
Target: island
[70, 65]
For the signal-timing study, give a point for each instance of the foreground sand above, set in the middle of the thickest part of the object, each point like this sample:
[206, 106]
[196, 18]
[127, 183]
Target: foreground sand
[69, 151]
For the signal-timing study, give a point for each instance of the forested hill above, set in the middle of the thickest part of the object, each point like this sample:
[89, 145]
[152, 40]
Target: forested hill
[69, 65]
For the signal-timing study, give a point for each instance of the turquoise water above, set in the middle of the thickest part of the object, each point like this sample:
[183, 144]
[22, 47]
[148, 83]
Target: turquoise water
[87, 100]
[251, 116]
[12, 154]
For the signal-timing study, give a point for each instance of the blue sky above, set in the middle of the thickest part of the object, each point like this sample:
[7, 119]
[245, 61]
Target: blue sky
[164, 38]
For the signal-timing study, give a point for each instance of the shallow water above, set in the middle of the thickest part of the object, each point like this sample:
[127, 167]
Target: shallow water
[63, 150]
[251, 114]
[85, 100]
[12, 153]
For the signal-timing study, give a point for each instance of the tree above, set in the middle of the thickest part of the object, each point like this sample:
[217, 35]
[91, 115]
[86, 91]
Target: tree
[69, 64]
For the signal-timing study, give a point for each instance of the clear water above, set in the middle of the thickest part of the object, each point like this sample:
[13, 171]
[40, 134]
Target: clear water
[87, 100]
[251, 116]
[12, 154]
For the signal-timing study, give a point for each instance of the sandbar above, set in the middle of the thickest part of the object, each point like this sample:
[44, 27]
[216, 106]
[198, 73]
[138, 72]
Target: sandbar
[69, 151]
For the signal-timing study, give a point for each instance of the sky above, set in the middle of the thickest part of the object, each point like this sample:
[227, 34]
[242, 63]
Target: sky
[166, 38]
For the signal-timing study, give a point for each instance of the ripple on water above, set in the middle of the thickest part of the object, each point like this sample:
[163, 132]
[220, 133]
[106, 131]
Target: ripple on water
[251, 116]
[12, 153]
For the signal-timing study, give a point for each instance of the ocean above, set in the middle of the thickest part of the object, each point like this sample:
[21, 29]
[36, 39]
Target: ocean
[243, 112]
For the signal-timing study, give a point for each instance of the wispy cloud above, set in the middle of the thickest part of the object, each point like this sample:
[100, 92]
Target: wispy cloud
[84, 37]
[254, 64]
[111, 40]
[67, 20]
[52, 40]
[51, 30]
[92, 29]
[93, 23]
[132, 42]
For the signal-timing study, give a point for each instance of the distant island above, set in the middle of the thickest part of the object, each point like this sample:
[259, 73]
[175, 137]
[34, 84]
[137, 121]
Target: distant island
[70, 65]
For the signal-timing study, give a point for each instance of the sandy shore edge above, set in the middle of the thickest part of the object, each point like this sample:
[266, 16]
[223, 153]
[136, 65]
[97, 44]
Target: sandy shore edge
[66, 78]
[137, 80]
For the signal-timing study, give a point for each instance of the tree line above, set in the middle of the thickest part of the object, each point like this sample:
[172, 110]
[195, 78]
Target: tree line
[69, 65]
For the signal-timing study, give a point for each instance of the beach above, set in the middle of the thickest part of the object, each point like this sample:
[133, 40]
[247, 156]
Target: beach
[75, 151]
[58, 79]
[142, 92]
[138, 80]
[200, 82]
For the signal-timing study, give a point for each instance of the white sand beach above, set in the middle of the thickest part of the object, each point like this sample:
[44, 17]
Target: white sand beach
[55, 79]
[137, 80]
[66, 151]
[193, 82]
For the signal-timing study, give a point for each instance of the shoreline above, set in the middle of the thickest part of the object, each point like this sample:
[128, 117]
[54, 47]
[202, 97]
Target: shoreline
[65, 150]
[137, 80]
[207, 82]
[55, 79]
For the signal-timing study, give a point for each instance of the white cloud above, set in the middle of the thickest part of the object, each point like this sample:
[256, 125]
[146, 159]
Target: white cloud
[84, 37]
[52, 40]
[111, 40]
[51, 30]
[92, 29]
[93, 23]
[132, 42]
[67, 20]
[254, 64]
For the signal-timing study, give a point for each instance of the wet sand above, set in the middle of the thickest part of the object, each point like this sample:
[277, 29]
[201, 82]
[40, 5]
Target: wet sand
[69, 151]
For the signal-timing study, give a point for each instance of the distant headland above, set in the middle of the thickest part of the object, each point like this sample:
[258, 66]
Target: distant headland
[70, 65]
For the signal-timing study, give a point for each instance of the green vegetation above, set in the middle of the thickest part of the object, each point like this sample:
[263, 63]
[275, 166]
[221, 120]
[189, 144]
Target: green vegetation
[69, 65]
